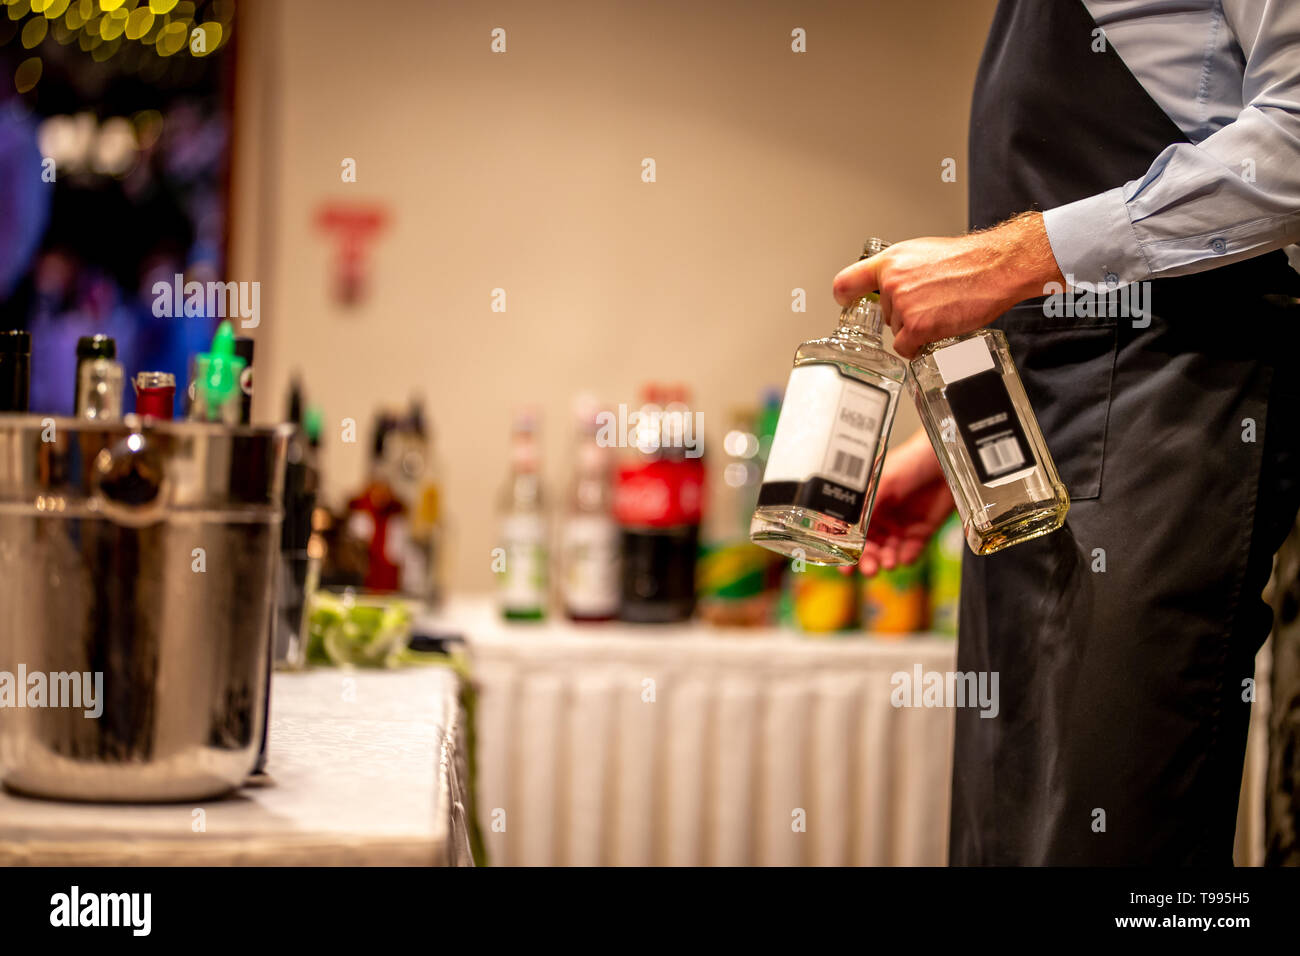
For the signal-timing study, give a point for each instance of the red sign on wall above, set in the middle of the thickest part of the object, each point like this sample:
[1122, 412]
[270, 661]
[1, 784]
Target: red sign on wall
[354, 226]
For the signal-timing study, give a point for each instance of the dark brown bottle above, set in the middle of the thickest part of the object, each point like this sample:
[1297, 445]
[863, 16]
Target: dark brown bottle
[657, 502]
[90, 348]
[15, 370]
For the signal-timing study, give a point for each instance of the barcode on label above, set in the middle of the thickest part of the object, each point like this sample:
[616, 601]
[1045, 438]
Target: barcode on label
[1001, 456]
[850, 466]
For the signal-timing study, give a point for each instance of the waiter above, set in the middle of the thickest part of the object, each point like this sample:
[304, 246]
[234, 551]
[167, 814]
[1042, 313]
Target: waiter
[1116, 142]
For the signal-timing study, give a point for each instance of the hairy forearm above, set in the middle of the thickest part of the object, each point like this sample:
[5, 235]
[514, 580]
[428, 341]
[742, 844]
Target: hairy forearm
[1019, 248]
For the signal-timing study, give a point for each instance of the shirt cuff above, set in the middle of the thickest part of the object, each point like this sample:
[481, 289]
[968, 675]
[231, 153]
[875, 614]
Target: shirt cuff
[1094, 242]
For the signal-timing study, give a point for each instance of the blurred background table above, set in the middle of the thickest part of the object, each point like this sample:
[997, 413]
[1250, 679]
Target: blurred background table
[692, 745]
[365, 768]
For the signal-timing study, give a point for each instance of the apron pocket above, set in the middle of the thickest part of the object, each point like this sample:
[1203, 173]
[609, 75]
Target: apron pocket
[1066, 365]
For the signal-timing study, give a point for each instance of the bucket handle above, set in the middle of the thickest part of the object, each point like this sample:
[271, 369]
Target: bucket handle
[129, 484]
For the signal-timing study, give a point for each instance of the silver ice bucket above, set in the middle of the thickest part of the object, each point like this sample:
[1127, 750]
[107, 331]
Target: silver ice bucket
[139, 556]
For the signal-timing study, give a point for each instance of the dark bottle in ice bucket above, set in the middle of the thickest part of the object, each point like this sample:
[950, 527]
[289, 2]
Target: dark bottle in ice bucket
[15, 370]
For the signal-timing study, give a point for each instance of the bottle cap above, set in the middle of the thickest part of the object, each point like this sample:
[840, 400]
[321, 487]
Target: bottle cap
[153, 380]
[313, 422]
[873, 246]
[154, 394]
[96, 347]
[15, 341]
[217, 379]
[869, 249]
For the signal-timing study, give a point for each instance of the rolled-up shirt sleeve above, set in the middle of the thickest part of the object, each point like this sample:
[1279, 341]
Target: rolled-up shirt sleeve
[1231, 196]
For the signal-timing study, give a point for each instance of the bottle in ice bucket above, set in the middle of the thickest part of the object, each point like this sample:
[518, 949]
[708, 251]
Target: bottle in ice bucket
[98, 394]
[217, 397]
[92, 349]
[155, 394]
[984, 432]
[15, 370]
[821, 475]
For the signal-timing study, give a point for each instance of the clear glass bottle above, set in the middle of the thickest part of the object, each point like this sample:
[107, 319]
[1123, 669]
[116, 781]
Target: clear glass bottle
[99, 390]
[987, 439]
[90, 349]
[215, 394]
[524, 588]
[589, 538]
[821, 476]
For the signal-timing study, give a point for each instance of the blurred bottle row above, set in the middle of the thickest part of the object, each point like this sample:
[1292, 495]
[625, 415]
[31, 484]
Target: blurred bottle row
[638, 535]
[389, 537]
[642, 537]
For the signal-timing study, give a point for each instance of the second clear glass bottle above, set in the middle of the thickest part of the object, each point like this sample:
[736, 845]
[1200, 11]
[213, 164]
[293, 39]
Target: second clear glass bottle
[987, 439]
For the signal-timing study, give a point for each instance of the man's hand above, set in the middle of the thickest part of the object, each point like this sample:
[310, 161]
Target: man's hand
[933, 288]
[912, 501]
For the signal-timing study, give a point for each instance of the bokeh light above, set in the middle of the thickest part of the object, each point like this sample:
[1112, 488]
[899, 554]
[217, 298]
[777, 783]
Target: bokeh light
[115, 147]
[34, 32]
[90, 37]
[106, 28]
[172, 38]
[148, 127]
[106, 49]
[211, 38]
[113, 24]
[28, 74]
[139, 23]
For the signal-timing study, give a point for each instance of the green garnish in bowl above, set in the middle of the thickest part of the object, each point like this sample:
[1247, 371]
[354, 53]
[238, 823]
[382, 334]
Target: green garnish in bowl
[360, 630]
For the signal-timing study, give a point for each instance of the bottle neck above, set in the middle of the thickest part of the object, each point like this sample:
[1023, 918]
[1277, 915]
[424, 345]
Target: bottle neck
[862, 319]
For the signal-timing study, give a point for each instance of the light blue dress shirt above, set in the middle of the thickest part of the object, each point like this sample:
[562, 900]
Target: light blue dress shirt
[1227, 72]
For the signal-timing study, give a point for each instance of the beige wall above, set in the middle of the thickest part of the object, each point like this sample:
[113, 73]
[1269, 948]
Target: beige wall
[523, 171]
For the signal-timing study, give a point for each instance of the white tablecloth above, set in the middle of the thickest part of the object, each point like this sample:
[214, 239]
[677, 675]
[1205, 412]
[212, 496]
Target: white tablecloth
[365, 768]
[616, 744]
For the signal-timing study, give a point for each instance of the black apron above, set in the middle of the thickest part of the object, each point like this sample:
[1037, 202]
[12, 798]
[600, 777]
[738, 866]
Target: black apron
[1124, 642]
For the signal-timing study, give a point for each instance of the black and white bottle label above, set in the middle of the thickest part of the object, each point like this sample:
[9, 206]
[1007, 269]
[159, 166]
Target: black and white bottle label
[825, 443]
[982, 409]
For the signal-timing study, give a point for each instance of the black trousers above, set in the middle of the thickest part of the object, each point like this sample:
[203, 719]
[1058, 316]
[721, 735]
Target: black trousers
[1125, 642]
